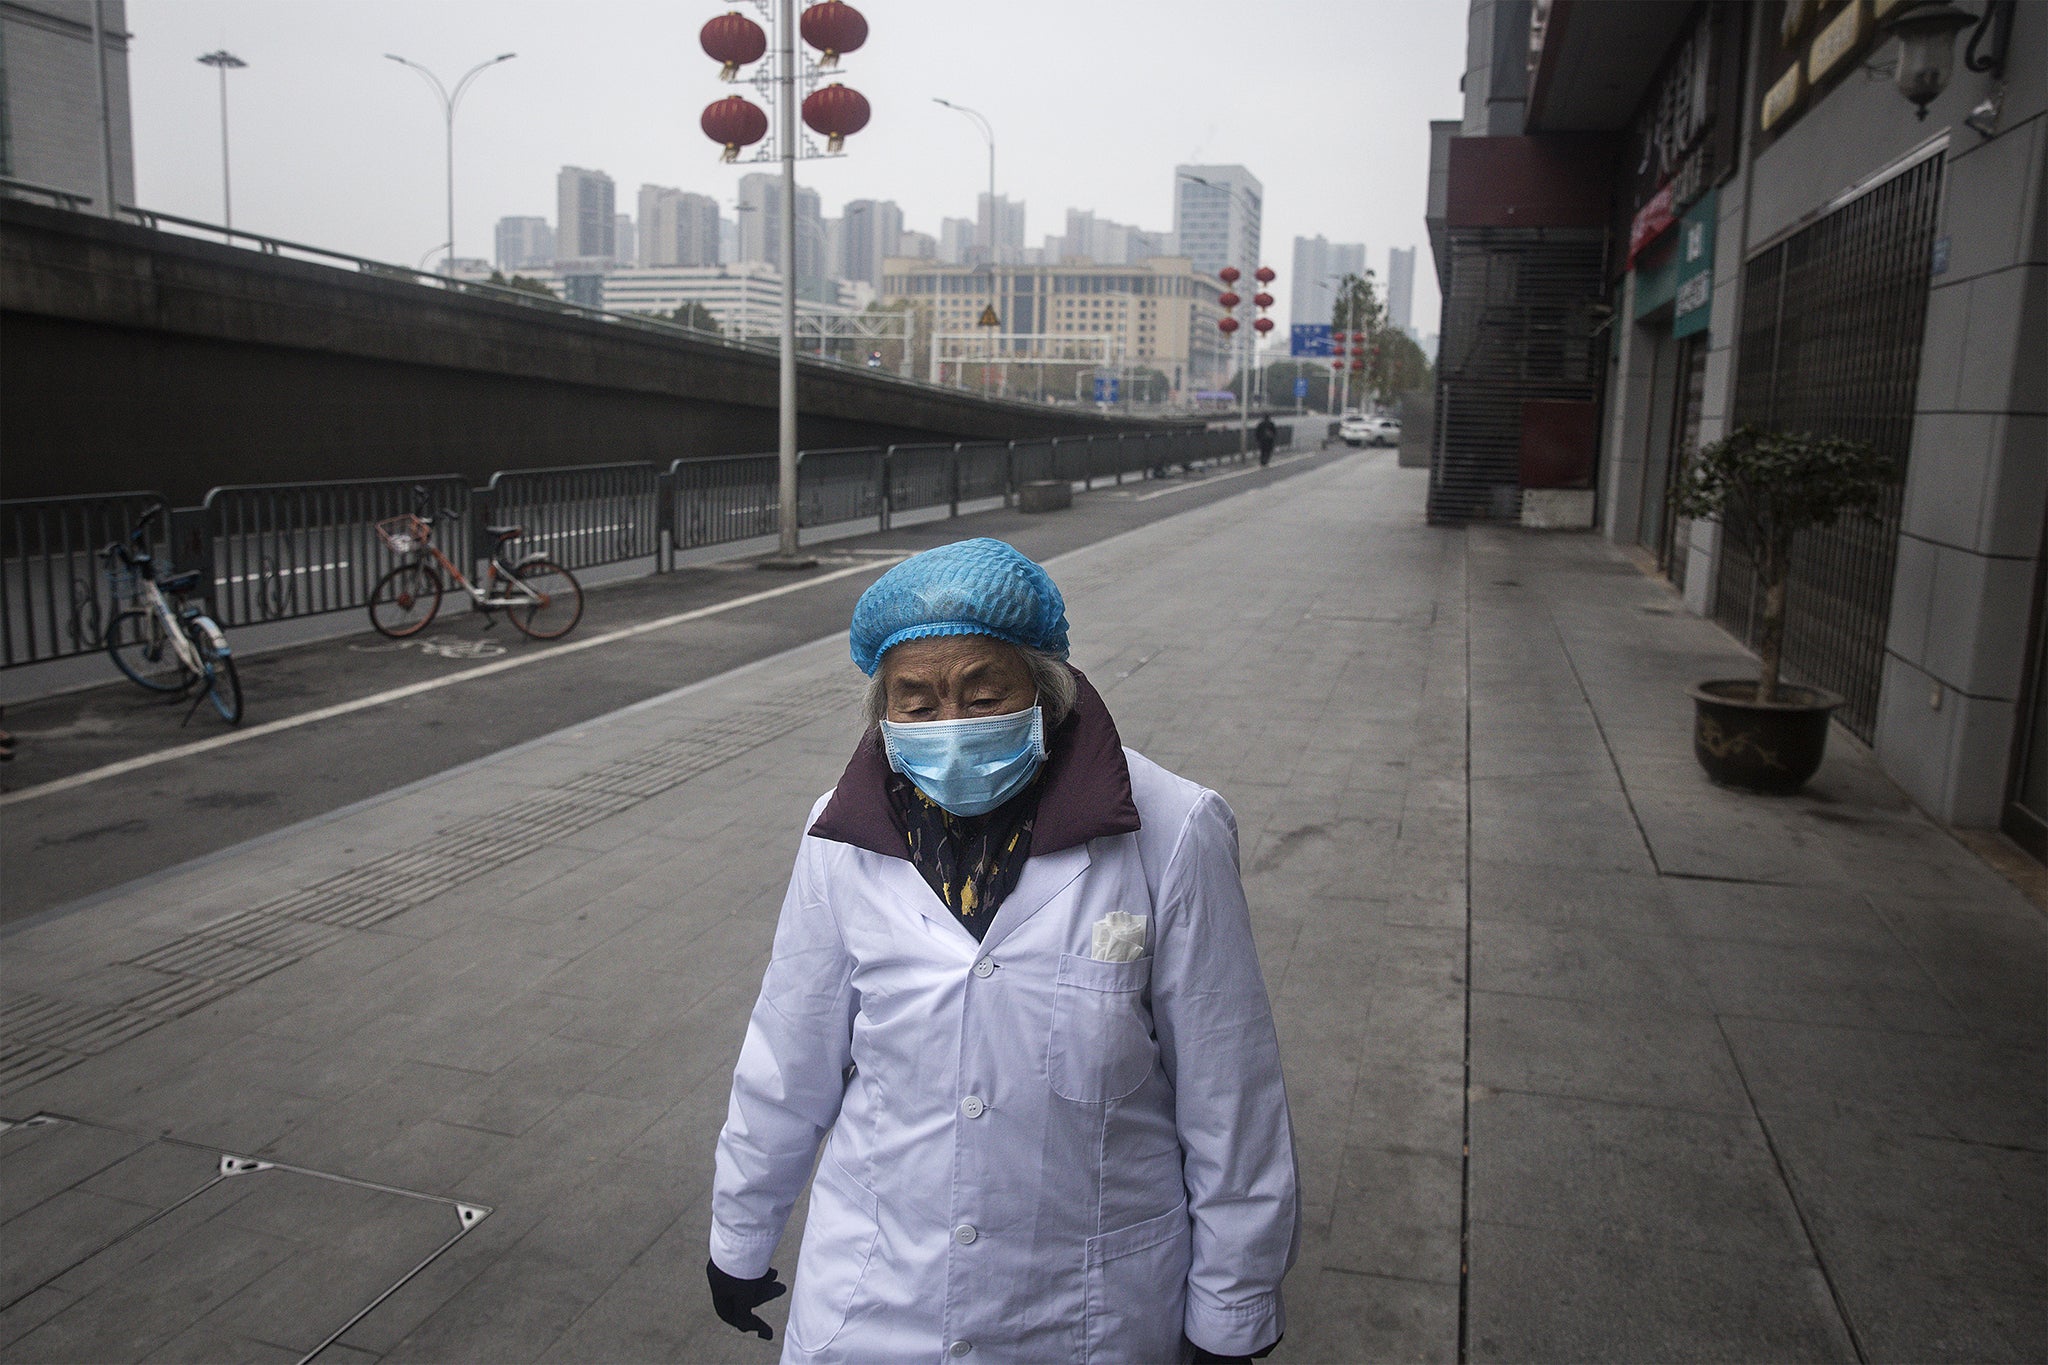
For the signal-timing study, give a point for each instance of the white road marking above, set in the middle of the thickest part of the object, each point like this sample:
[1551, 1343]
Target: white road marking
[129, 765]
[1209, 482]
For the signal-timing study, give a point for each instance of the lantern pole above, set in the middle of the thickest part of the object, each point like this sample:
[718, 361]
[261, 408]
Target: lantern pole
[787, 556]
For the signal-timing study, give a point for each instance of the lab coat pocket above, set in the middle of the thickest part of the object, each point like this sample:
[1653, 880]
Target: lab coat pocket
[1101, 1046]
[1137, 1290]
[839, 1241]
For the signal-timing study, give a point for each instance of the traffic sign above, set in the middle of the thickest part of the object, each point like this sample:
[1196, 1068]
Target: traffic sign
[1300, 387]
[1309, 338]
[1106, 388]
[988, 317]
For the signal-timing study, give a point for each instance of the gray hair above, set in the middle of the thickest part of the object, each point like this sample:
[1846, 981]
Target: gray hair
[1052, 678]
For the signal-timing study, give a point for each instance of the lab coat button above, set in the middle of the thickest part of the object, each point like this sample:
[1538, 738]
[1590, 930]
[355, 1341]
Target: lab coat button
[959, 1348]
[984, 968]
[972, 1106]
[965, 1234]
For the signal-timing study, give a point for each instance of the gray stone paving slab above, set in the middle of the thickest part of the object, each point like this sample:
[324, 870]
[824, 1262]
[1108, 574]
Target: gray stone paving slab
[1472, 832]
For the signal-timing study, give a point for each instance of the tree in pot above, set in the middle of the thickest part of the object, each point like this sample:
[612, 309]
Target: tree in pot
[1766, 487]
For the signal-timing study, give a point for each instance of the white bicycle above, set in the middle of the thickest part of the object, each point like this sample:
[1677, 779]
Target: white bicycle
[167, 644]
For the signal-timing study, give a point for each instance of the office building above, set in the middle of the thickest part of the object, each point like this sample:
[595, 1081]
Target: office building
[871, 229]
[1007, 241]
[1089, 238]
[50, 131]
[1216, 211]
[624, 248]
[956, 241]
[1319, 266]
[916, 246]
[1401, 288]
[1160, 314]
[586, 221]
[524, 244]
[677, 227]
[760, 223]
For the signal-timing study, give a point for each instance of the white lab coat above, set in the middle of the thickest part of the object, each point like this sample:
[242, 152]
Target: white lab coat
[1030, 1155]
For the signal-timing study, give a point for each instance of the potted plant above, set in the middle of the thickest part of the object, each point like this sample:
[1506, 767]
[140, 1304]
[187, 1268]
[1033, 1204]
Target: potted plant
[1766, 487]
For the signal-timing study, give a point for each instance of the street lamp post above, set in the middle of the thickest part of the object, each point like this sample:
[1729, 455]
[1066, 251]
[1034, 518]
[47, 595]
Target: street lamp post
[224, 61]
[988, 134]
[449, 102]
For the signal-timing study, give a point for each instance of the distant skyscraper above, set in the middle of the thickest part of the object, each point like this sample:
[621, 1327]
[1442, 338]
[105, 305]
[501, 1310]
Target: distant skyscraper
[677, 227]
[1216, 212]
[525, 243]
[956, 240]
[1401, 287]
[872, 227]
[586, 219]
[1104, 242]
[760, 221]
[1318, 266]
[728, 240]
[624, 248]
[917, 246]
[1008, 238]
[49, 115]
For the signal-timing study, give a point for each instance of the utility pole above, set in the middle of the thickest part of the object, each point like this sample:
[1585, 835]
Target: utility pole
[449, 103]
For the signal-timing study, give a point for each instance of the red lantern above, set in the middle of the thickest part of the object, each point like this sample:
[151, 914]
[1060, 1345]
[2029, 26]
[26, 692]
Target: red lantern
[1226, 325]
[1358, 364]
[837, 112]
[735, 123]
[1262, 325]
[734, 40]
[1264, 274]
[833, 27]
[1228, 299]
[1228, 274]
[1263, 299]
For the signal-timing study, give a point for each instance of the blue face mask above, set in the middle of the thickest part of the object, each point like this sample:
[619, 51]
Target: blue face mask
[969, 766]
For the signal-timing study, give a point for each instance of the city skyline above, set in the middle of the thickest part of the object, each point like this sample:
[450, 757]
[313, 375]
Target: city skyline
[318, 92]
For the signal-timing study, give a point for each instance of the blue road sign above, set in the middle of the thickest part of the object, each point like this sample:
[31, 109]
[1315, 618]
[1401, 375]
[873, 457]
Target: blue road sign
[1300, 388]
[1309, 338]
[1106, 387]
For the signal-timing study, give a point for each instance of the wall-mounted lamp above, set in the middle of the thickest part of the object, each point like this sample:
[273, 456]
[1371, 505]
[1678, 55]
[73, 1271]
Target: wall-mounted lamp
[1927, 29]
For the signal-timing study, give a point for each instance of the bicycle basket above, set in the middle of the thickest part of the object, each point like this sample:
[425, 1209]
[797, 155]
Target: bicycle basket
[404, 534]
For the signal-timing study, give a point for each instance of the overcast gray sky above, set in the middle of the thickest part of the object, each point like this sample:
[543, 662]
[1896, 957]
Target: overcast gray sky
[1327, 101]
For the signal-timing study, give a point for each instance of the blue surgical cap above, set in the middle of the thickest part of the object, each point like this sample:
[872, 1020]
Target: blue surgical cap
[971, 587]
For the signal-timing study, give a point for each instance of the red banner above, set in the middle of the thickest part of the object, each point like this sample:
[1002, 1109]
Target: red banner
[1650, 220]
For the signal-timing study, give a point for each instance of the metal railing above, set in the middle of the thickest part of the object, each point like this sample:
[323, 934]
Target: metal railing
[55, 595]
[274, 552]
[580, 516]
[277, 552]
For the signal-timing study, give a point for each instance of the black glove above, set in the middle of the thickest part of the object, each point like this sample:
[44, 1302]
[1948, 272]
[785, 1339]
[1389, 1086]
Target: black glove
[1204, 1356]
[734, 1300]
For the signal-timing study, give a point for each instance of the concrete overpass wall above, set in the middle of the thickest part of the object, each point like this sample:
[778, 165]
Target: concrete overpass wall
[131, 358]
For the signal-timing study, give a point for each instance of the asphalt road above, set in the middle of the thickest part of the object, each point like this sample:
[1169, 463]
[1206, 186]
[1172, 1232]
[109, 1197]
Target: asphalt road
[61, 845]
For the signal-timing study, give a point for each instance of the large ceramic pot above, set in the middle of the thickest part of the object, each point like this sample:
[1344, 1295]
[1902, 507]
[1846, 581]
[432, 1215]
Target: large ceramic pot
[1771, 747]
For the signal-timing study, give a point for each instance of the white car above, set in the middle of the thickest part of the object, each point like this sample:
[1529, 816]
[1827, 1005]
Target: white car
[1383, 431]
[1354, 429]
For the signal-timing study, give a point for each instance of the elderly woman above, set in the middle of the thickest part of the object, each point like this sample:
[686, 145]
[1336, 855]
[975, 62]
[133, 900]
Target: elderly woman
[1014, 993]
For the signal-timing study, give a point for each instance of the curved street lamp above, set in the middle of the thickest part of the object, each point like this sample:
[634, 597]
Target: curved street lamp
[448, 105]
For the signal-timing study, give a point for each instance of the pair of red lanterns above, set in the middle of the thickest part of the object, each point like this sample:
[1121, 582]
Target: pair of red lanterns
[835, 112]
[1229, 299]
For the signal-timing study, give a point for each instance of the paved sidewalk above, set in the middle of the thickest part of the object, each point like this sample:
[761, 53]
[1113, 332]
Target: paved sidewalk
[1740, 1078]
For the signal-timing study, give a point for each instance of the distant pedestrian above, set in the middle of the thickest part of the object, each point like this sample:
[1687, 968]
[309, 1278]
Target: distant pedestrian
[1014, 993]
[1266, 434]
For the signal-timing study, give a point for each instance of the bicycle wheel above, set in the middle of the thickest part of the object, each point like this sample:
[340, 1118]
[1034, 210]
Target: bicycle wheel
[223, 685]
[405, 600]
[561, 604]
[143, 652]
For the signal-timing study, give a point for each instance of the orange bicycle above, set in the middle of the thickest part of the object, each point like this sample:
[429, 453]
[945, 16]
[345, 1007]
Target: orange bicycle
[543, 599]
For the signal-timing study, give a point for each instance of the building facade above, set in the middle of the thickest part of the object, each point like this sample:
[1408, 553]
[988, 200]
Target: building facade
[869, 237]
[1401, 288]
[1160, 314]
[1787, 243]
[54, 131]
[1216, 213]
[1319, 265]
[676, 227]
[760, 224]
[586, 220]
[524, 243]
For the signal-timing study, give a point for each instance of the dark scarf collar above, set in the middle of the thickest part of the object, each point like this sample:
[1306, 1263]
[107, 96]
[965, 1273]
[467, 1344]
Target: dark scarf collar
[1086, 791]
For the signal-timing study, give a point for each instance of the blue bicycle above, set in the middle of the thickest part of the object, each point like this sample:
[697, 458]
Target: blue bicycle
[167, 644]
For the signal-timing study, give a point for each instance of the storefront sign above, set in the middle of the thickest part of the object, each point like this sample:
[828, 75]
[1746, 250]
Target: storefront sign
[1692, 302]
[1683, 135]
[1783, 96]
[1650, 220]
[1834, 42]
